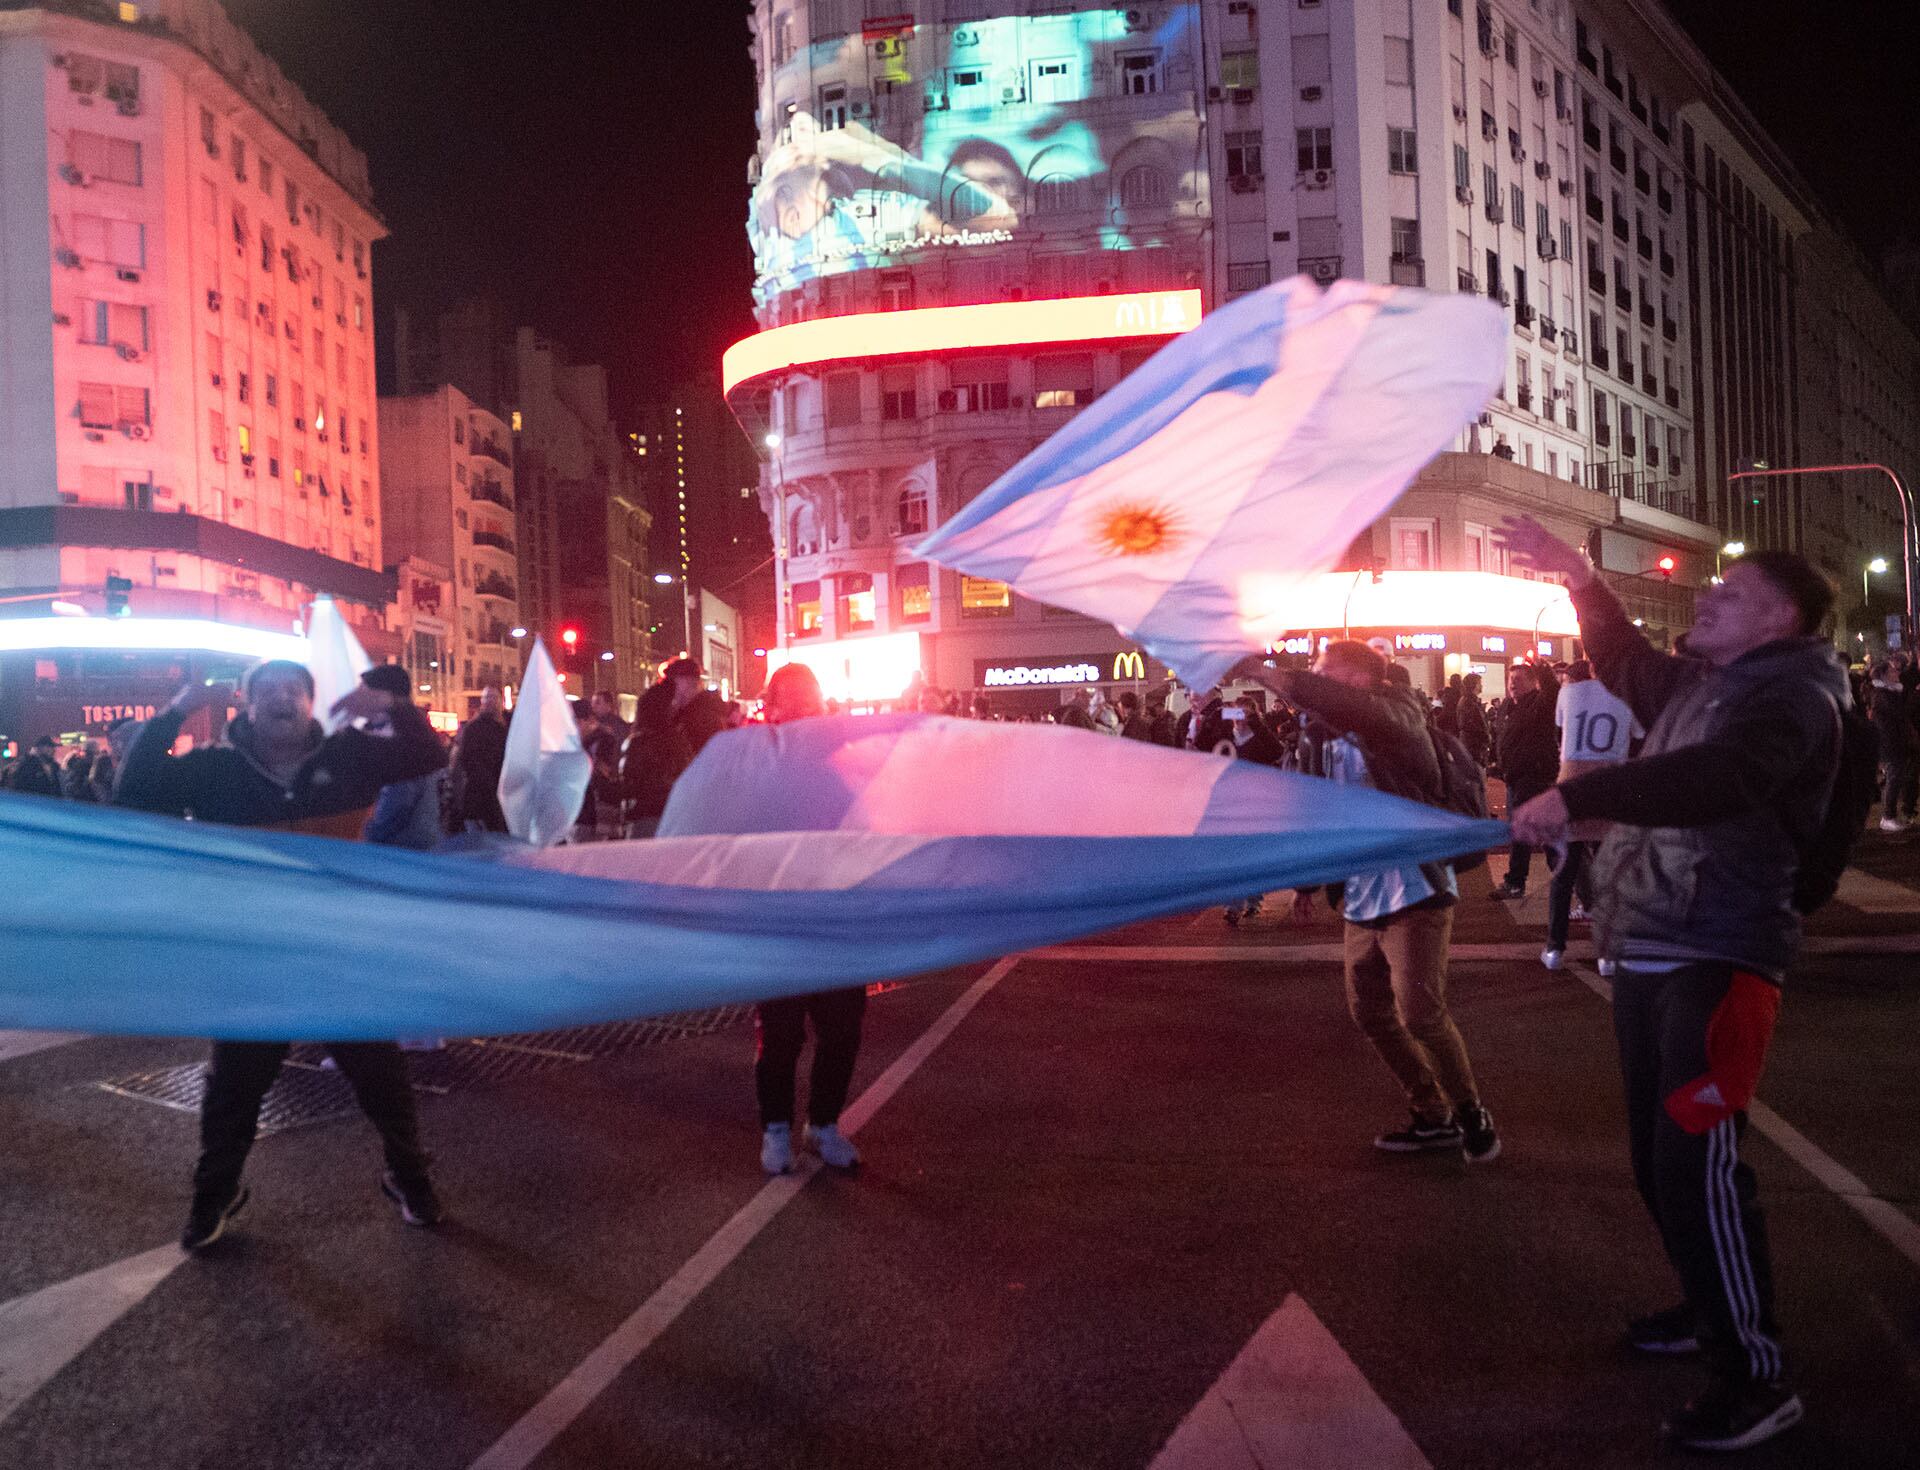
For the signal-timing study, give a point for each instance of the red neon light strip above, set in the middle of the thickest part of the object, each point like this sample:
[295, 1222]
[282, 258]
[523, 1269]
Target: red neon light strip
[948, 328]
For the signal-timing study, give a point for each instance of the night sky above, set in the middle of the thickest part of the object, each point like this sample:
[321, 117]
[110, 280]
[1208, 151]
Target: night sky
[586, 163]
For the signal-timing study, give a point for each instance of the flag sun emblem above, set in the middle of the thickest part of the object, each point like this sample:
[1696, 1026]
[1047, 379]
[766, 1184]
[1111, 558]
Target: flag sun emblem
[1136, 530]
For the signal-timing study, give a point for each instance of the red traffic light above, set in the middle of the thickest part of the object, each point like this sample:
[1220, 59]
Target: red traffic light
[570, 636]
[1666, 565]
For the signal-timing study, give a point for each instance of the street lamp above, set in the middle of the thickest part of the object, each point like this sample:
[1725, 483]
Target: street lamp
[664, 579]
[1876, 567]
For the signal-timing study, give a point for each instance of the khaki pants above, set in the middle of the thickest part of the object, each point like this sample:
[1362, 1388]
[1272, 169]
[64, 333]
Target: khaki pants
[1397, 995]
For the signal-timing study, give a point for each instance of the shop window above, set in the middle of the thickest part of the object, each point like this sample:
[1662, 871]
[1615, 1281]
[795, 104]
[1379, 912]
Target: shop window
[1064, 381]
[806, 609]
[916, 593]
[982, 598]
[856, 602]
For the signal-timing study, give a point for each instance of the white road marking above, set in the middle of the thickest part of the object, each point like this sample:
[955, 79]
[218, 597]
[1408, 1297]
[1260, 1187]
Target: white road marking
[14, 1044]
[1292, 1400]
[1873, 895]
[1887, 1220]
[43, 1332]
[569, 1399]
[1266, 954]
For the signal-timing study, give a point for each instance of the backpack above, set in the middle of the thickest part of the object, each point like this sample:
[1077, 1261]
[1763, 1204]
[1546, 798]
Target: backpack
[1463, 787]
[1856, 787]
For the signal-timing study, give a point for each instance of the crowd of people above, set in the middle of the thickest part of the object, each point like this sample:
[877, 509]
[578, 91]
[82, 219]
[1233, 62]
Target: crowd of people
[1693, 804]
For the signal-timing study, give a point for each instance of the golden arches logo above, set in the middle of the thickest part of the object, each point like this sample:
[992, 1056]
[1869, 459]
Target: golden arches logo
[1129, 665]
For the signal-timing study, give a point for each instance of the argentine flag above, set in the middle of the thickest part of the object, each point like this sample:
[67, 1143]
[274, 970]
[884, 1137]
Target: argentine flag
[1187, 506]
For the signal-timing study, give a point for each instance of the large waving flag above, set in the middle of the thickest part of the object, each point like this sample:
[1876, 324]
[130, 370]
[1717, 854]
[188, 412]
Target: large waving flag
[125, 922]
[1188, 505]
[544, 778]
[334, 658]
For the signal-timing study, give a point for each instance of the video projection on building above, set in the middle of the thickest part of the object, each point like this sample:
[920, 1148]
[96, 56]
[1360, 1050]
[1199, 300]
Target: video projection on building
[1078, 126]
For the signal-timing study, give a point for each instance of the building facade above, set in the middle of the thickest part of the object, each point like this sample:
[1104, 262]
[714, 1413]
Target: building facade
[447, 471]
[194, 415]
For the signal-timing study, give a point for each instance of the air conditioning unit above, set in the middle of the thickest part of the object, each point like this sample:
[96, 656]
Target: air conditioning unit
[1240, 7]
[137, 431]
[218, 381]
[69, 258]
[1506, 297]
[1542, 170]
[1570, 341]
[94, 436]
[936, 102]
[1215, 94]
[1311, 94]
[1463, 194]
[127, 351]
[1318, 178]
[1459, 113]
[1496, 211]
[72, 175]
[1562, 112]
[127, 275]
[300, 424]
[1486, 420]
[129, 107]
[220, 453]
[1539, 86]
[1549, 248]
[1139, 20]
[858, 109]
[1566, 188]
[213, 301]
[1325, 270]
[1012, 94]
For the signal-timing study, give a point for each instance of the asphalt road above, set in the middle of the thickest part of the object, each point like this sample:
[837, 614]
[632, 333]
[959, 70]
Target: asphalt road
[1077, 1210]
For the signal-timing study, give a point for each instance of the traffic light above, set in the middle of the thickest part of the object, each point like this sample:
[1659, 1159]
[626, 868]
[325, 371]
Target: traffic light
[570, 636]
[1666, 564]
[117, 590]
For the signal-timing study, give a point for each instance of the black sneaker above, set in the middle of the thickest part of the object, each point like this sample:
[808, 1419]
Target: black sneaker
[1670, 1334]
[1478, 1142]
[207, 1220]
[419, 1205]
[1735, 1414]
[1507, 891]
[1418, 1136]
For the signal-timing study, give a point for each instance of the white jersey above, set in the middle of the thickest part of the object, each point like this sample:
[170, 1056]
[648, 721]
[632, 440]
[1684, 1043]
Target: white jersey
[1595, 724]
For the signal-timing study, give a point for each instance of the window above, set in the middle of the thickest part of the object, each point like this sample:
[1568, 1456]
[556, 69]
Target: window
[856, 601]
[209, 132]
[1399, 61]
[265, 171]
[238, 145]
[1065, 380]
[105, 160]
[1462, 168]
[97, 406]
[1517, 206]
[1412, 542]
[843, 400]
[244, 388]
[1315, 147]
[916, 591]
[1406, 239]
[114, 324]
[833, 106]
[1144, 186]
[982, 598]
[273, 458]
[1057, 194]
[1240, 69]
[273, 390]
[897, 395]
[1401, 154]
[1053, 80]
[138, 493]
[132, 406]
[1243, 155]
[806, 609]
[910, 510]
[113, 242]
[1139, 73]
[293, 203]
[1248, 275]
[217, 428]
[979, 386]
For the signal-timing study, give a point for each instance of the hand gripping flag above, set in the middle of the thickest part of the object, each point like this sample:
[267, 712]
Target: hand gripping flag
[543, 779]
[335, 659]
[1189, 504]
[929, 843]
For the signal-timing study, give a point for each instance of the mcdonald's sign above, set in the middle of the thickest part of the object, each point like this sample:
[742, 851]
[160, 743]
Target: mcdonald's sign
[1129, 665]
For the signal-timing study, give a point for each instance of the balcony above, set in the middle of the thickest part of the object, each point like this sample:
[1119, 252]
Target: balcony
[491, 634]
[1669, 328]
[1645, 247]
[1650, 383]
[1523, 313]
[1596, 280]
[1646, 313]
[1617, 156]
[492, 492]
[494, 539]
[1664, 198]
[1602, 433]
[1523, 395]
[1407, 271]
[1596, 208]
[1598, 357]
[1640, 179]
[1673, 397]
[1549, 329]
[495, 585]
[1623, 295]
[1629, 446]
[489, 448]
[1620, 230]
[1666, 264]
[1590, 135]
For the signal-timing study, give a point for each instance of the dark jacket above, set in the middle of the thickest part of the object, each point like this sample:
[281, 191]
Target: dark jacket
[332, 793]
[1388, 722]
[1892, 717]
[36, 775]
[1163, 729]
[663, 744]
[479, 751]
[1530, 744]
[1470, 724]
[1732, 783]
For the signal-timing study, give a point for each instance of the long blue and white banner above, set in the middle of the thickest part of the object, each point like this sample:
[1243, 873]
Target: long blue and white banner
[119, 921]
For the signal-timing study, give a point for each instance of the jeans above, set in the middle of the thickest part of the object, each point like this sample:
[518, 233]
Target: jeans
[1692, 1042]
[241, 1074]
[1570, 878]
[1397, 996]
[781, 1027]
[1895, 770]
[1519, 855]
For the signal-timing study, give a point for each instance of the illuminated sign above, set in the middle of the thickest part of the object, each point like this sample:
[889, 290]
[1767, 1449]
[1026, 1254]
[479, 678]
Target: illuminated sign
[1407, 599]
[1302, 644]
[106, 714]
[934, 329]
[1019, 676]
[445, 721]
[858, 670]
[1493, 644]
[1421, 642]
[185, 635]
[1129, 665]
[1544, 648]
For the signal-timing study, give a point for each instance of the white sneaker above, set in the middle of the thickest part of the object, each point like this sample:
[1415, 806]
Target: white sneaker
[1892, 824]
[776, 1148]
[1578, 914]
[1552, 959]
[835, 1149]
[1605, 967]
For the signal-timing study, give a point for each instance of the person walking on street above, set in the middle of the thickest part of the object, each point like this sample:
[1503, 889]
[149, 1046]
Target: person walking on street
[1596, 729]
[1470, 721]
[1398, 923]
[1892, 719]
[1133, 724]
[1695, 890]
[1529, 759]
[275, 768]
[38, 772]
[674, 721]
[479, 751]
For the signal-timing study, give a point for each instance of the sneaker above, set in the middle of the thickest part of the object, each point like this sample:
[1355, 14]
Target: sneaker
[207, 1220]
[1578, 914]
[1507, 891]
[1478, 1142]
[835, 1149]
[1605, 967]
[1232, 916]
[1669, 1334]
[1735, 1414]
[1892, 824]
[419, 1205]
[776, 1148]
[1553, 959]
[1419, 1135]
